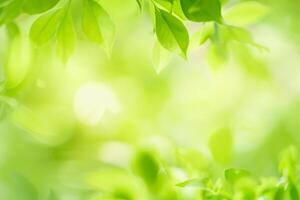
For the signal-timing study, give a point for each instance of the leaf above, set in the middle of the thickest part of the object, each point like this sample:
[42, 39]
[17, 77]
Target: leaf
[45, 27]
[97, 24]
[233, 175]
[161, 57]
[12, 30]
[202, 10]
[10, 11]
[146, 166]
[246, 13]
[38, 6]
[65, 38]
[18, 62]
[4, 3]
[170, 31]
[294, 194]
[198, 182]
[140, 3]
[221, 145]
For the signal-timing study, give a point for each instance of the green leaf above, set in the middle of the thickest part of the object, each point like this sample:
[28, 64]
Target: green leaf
[140, 3]
[66, 38]
[45, 27]
[146, 166]
[202, 10]
[161, 57]
[18, 62]
[233, 175]
[221, 145]
[294, 194]
[10, 11]
[12, 30]
[246, 13]
[38, 6]
[171, 32]
[4, 3]
[97, 24]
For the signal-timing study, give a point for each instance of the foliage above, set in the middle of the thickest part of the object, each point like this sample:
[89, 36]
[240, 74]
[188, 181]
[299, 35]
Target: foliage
[84, 116]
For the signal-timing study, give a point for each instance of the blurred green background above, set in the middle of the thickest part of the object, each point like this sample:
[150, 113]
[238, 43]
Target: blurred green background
[112, 127]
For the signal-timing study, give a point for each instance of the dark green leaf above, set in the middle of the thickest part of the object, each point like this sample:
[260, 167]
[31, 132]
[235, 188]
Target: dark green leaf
[202, 10]
[147, 167]
[171, 32]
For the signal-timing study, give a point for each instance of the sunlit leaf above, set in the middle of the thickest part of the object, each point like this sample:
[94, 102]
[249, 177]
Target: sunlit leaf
[233, 175]
[161, 57]
[45, 27]
[171, 32]
[221, 145]
[245, 13]
[10, 11]
[97, 24]
[18, 62]
[65, 38]
[38, 6]
[202, 10]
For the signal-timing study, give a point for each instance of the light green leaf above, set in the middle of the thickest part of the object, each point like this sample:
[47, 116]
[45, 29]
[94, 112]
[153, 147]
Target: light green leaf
[161, 57]
[233, 175]
[246, 13]
[202, 10]
[66, 38]
[18, 62]
[97, 24]
[221, 145]
[4, 3]
[38, 6]
[45, 27]
[171, 32]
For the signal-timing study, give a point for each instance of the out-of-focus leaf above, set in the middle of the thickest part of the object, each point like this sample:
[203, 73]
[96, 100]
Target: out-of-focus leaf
[245, 13]
[161, 57]
[146, 166]
[233, 175]
[279, 194]
[12, 30]
[4, 3]
[140, 3]
[288, 161]
[18, 62]
[38, 6]
[97, 24]
[221, 145]
[52, 196]
[293, 190]
[202, 10]
[10, 11]
[197, 182]
[23, 189]
[171, 32]
[45, 27]
[65, 38]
